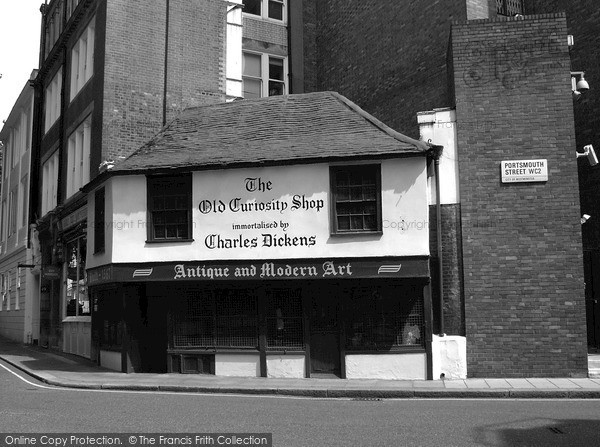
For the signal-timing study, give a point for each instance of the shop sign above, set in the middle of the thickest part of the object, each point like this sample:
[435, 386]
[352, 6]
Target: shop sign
[74, 218]
[51, 272]
[260, 212]
[262, 270]
[517, 171]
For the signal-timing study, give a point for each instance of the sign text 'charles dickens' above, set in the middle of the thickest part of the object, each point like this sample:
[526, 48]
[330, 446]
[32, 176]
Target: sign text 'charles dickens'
[515, 171]
[259, 217]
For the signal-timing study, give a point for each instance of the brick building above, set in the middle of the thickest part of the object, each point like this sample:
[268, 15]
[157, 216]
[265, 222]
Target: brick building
[112, 73]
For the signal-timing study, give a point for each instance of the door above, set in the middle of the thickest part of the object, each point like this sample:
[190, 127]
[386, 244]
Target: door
[324, 334]
[592, 298]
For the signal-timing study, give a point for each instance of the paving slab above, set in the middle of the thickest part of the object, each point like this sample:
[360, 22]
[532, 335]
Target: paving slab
[429, 384]
[542, 384]
[520, 384]
[587, 383]
[497, 383]
[480, 384]
[564, 383]
[455, 384]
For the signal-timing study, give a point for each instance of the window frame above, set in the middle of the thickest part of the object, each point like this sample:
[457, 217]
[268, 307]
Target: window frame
[79, 145]
[264, 11]
[50, 183]
[82, 71]
[385, 318]
[265, 78]
[12, 210]
[80, 245]
[333, 174]
[52, 101]
[152, 182]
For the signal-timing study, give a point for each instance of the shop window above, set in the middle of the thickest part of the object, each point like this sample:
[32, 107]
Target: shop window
[82, 60]
[78, 161]
[385, 318]
[108, 311]
[356, 196]
[5, 288]
[284, 319]
[222, 318]
[169, 208]
[99, 220]
[112, 334]
[272, 9]
[263, 75]
[77, 300]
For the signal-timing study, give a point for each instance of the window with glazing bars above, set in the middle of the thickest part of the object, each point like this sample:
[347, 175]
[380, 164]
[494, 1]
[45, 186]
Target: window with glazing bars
[216, 319]
[272, 9]
[284, 319]
[385, 318]
[510, 7]
[169, 208]
[356, 192]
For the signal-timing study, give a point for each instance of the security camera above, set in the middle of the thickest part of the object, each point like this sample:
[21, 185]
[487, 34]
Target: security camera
[582, 84]
[585, 218]
[590, 154]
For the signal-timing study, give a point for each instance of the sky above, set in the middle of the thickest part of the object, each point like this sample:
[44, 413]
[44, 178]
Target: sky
[19, 48]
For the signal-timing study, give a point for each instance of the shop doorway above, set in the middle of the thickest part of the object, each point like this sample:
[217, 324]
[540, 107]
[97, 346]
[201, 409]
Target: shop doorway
[324, 334]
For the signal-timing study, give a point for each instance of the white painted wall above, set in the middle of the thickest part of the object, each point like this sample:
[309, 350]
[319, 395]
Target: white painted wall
[387, 366]
[439, 127]
[110, 360]
[286, 366]
[237, 365]
[449, 357]
[404, 207]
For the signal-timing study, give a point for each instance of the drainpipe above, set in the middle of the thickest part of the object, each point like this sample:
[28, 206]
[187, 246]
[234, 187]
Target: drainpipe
[436, 153]
[165, 77]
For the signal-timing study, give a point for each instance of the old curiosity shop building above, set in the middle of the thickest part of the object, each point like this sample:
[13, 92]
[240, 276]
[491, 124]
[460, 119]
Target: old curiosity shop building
[277, 237]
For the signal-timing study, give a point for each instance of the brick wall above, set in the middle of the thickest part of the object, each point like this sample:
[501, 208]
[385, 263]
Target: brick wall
[135, 66]
[387, 56]
[524, 297]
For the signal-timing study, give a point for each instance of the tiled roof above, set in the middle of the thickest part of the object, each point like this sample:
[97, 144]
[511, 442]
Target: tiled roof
[300, 128]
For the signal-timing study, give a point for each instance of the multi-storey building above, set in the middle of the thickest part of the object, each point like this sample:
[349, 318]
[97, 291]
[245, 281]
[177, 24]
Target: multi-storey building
[113, 72]
[19, 279]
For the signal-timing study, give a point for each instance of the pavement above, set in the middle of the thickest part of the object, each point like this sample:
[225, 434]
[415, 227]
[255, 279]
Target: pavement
[68, 371]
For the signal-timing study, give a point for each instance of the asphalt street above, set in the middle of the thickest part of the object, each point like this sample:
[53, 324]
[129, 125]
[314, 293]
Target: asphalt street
[27, 406]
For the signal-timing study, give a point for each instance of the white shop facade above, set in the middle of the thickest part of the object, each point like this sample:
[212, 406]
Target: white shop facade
[302, 270]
